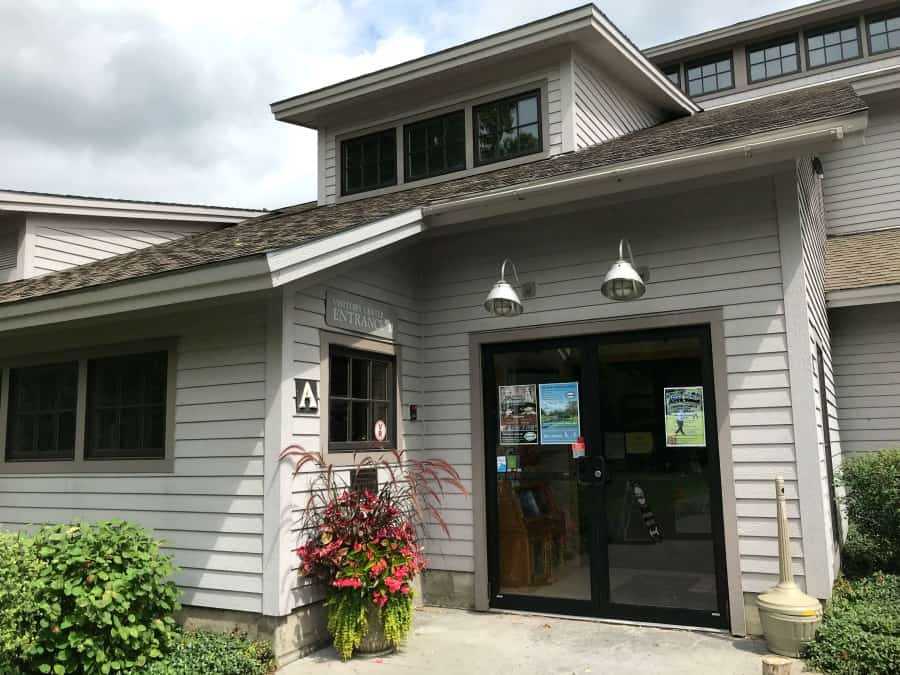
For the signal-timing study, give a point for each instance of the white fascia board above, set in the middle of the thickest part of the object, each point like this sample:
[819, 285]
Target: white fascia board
[290, 264]
[794, 141]
[11, 200]
[853, 297]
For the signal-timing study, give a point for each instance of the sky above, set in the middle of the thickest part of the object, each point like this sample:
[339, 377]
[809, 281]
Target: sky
[168, 100]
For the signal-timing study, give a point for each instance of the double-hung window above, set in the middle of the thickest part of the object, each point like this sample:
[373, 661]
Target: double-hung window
[369, 162]
[832, 45]
[773, 59]
[75, 415]
[710, 75]
[884, 33]
[510, 127]
[361, 400]
[435, 146]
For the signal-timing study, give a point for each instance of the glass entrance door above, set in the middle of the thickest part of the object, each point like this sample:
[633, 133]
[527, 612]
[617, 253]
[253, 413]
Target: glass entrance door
[602, 477]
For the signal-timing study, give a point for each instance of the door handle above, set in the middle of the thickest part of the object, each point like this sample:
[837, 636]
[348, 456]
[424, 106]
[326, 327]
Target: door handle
[598, 473]
[600, 469]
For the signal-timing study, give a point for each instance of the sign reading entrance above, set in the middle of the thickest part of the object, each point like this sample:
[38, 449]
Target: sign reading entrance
[358, 314]
[685, 418]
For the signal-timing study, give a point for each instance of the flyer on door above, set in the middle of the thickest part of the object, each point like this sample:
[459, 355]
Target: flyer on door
[685, 418]
[560, 413]
[518, 414]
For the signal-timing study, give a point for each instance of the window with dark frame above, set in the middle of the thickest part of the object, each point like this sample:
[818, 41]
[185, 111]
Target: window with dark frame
[510, 127]
[773, 59]
[826, 438]
[884, 33]
[674, 74]
[710, 75]
[369, 162]
[832, 45]
[435, 146]
[42, 410]
[126, 407]
[361, 391]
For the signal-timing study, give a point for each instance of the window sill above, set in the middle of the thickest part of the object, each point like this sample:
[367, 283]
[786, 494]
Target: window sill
[90, 467]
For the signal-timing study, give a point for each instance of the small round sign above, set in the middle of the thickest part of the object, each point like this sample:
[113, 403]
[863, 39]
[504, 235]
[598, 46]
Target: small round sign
[380, 431]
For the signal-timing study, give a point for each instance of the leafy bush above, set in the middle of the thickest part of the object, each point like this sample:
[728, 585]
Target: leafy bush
[207, 653]
[860, 634]
[872, 483]
[20, 568]
[101, 597]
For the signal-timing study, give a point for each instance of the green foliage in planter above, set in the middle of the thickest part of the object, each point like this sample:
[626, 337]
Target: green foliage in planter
[872, 483]
[396, 615]
[104, 600]
[860, 634]
[20, 568]
[346, 620]
[208, 653]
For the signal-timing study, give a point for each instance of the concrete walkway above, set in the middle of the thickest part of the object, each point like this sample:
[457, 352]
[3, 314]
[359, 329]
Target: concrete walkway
[455, 642]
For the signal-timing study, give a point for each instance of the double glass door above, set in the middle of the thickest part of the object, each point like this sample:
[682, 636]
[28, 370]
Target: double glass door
[603, 479]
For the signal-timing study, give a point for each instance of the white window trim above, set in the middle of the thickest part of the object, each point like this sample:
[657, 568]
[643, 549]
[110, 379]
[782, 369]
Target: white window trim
[80, 465]
[363, 344]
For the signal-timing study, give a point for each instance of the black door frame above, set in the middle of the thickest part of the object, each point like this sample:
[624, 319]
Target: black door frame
[599, 605]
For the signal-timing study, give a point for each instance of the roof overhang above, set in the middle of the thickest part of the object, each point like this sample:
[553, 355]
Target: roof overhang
[34, 202]
[584, 27]
[870, 295]
[306, 261]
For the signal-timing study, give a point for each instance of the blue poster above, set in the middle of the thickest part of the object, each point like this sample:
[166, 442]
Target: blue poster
[560, 414]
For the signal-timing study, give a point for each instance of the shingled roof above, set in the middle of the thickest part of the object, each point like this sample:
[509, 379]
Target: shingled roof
[862, 260]
[298, 225]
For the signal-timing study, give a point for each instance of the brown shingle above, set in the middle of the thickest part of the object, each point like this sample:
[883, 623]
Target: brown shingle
[862, 260]
[293, 226]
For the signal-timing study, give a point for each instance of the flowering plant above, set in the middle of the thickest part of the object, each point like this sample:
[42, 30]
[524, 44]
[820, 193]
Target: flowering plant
[362, 544]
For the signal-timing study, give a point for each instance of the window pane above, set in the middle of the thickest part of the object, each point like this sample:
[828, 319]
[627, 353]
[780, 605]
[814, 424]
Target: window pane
[817, 57]
[487, 121]
[789, 64]
[528, 112]
[757, 72]
[893, 23]
[832, 53]
[40, 419]
[695, 87]
[756, 57]
[848, 35]
[380, 380]
[528, 138]
[338, 414]
[724, 81]
[456, 155]
[369, 161]
[359, 378]
[417, 138]
[816, 42]
[339, 376]
[417, 166]
[832, 38]
[709, 69]
[709, 83]
[877, 27]
[851, 50]
[487, 147]
[894, 40]
[879, 43]
[789, 48]
[359, 422]
[388, 171]
[508, 142]
[774, 68]
[508, 116]
[694, 73]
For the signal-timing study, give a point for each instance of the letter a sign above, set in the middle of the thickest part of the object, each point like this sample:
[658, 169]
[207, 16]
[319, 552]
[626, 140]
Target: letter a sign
[307, 397]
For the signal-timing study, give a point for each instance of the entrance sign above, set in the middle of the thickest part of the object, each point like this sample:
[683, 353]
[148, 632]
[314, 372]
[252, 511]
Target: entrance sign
[358, 314]
[560, 414]
[685, 418]
[518, 414]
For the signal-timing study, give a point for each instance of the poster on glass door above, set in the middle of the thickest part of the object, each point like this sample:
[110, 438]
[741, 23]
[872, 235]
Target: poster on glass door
[560, 414]
[685, 418]
[518, 414]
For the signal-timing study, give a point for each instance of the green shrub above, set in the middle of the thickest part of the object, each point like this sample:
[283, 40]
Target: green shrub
[872, 484]
[104, 598]
[860, 634]
[20, 569]
[206, 653]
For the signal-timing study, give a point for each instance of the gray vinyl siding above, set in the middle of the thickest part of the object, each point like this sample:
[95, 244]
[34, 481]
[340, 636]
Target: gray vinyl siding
[59, 242]
[867, 375]
[812, 219]
[209, 511]
[390, 281]
[862, 184]
[603, 109]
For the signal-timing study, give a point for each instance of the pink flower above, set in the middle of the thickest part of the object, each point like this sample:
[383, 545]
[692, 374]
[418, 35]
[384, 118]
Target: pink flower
[393, 584]
[405, 589]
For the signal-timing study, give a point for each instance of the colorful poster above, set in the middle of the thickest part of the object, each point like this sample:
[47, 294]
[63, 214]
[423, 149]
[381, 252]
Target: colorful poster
[518, 414]
[560, 413]
[685, 418]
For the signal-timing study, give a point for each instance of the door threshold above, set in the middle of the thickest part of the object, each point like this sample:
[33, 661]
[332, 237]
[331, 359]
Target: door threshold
[619, 622]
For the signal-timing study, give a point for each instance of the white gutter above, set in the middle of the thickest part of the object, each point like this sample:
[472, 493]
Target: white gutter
[872, 295]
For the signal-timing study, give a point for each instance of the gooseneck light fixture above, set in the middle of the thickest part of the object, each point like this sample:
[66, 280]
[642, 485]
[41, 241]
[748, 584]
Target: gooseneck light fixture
[503, 300]
[623, 282]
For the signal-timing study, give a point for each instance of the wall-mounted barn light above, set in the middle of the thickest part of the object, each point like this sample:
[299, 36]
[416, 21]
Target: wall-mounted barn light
[623, 282]
[503, 300]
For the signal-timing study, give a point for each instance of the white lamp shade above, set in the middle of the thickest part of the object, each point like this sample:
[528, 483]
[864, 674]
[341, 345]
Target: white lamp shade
[622, 282]
[503, 300]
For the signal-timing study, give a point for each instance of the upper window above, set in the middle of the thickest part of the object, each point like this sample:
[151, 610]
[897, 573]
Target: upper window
[361, 400]
[884, 33]
[369, 162]
[126, 406]
[773, 59]
[435, 146]
[507, 128]
[674, 74]
[41, 415]
[832, 45]
[710, 75]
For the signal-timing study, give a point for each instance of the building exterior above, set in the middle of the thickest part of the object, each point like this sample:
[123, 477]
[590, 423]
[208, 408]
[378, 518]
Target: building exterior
[619, 455]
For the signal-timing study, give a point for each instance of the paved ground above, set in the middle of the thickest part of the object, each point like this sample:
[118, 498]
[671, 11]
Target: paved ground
[454, 642]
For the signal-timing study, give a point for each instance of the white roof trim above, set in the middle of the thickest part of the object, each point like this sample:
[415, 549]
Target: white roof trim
[872, 295]
[32, 202]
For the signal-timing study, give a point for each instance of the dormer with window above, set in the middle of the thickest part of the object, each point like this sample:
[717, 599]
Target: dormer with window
[549, 87]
